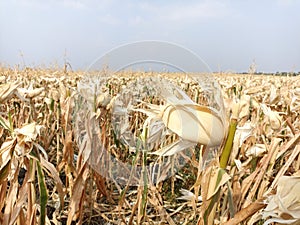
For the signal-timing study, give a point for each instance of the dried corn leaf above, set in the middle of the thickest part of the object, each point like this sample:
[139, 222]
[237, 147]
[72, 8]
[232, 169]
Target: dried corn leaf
[256, 150]
[284, 206]
[77, 194]
[7, 90]
[29, 131]
[275, 119]
[218, 177]
[174, 148]
[30, 92]
[2, 78]
[188, 196]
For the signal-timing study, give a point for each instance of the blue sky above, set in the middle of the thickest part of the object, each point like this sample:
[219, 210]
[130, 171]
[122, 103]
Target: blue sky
[227, 34]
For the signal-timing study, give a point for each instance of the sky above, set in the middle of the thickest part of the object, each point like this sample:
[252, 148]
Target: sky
[229, 35]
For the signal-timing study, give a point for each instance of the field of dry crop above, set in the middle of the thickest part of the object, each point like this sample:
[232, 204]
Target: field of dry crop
[50, 172]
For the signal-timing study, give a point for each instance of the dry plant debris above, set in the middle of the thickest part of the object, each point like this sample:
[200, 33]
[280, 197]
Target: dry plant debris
[46, 177]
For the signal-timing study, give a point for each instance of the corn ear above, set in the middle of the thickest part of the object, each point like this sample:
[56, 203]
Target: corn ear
[195, 123]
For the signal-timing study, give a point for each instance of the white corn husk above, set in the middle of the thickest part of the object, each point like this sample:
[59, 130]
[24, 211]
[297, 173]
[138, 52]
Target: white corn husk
[295, 102]
[174, 148]
[243, 133]
[30, 92]
[275, 119]
[26, 135]
[238, 164]
[29, 131]
[93, 88]
[192, 122]
[274, 95]
[256, 150]
[284, 206]
[7, 90]
[2, 78]
[103, 99]
[188, 196]
[153, 128]
[244, 106]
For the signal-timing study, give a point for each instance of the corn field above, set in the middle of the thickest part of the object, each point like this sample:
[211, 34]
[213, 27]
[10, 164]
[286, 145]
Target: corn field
[237, 167]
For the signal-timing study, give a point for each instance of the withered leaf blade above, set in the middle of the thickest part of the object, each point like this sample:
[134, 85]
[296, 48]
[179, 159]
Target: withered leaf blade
[284, 206]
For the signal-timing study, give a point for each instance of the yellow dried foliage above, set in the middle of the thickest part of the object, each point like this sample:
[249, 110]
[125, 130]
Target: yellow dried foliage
[37, 108]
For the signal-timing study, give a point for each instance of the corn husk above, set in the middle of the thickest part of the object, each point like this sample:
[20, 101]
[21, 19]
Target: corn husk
[103, 99]
[188, 196]
[275, 119]
[2, 78]
[7, 90]
[284, 206]
[25, 137]
[192, 122]
[295, 101]
[30, 92]
[29, 131]
[256, 150]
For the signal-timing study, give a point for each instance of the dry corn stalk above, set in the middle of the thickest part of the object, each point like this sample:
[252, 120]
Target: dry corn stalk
[280, 94]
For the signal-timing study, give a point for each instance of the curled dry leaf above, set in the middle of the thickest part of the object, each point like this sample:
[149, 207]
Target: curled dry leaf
[215, 182]
[111, 103]
[5, 153]
[2, 78]
[63, 92]
[155, 130]
[29, 131]
[254, 90]
[103, 99]
[275, 119]
[188, 196]
[240, 107]
[295, 102]
[274, 95]
[77, 194]
[7, 90]
[25, 136]
[243, 135]
[30, 92]
[243, 132]
[256, 150]
[55, 95]
[244, 105]
[284, 206]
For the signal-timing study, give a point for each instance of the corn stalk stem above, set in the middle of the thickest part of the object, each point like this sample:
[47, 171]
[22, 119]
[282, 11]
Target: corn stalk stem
[228, 144]
[210, 213]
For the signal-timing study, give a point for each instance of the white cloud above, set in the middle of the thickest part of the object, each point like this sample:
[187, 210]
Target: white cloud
[198, 10]
[74, 4]
[109, 19]
[135, 21]
[186, 12]
[286, 2]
